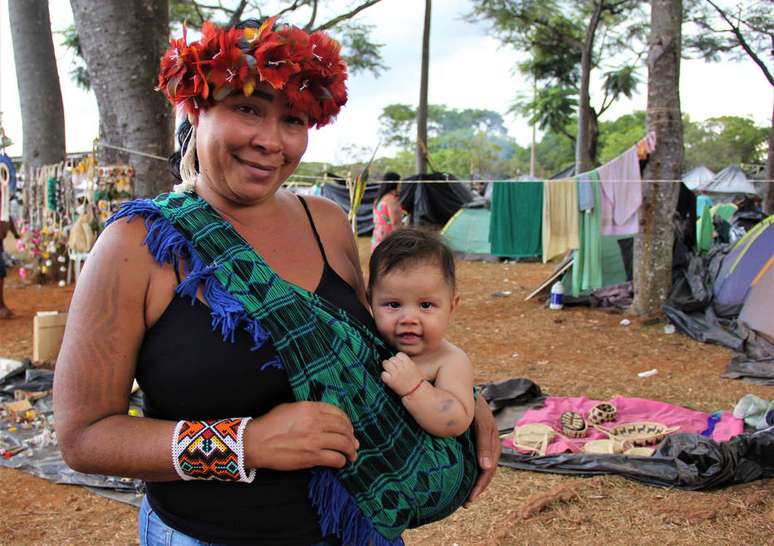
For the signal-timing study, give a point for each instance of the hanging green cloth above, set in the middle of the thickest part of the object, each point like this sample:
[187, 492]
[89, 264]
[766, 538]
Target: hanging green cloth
[704, 228]
[587, 269]
[515, 230]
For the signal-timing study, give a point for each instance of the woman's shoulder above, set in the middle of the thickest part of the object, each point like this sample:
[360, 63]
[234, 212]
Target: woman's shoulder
[124, 238]
[324, 208]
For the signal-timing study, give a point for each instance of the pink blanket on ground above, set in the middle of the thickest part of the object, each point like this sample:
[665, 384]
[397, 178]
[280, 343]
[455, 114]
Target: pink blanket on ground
[629, 410]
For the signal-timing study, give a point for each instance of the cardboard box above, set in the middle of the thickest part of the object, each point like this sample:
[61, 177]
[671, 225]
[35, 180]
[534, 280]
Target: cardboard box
[47, 333]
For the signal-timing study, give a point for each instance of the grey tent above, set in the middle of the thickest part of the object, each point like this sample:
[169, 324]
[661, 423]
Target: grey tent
[731, 180]
[698, 177]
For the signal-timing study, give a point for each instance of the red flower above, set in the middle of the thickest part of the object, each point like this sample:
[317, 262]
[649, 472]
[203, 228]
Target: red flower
[308, 68]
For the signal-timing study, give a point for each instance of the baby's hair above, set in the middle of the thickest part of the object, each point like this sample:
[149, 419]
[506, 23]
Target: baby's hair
[409, 247]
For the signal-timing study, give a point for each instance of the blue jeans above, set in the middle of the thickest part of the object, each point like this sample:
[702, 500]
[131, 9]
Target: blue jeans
[154, 532]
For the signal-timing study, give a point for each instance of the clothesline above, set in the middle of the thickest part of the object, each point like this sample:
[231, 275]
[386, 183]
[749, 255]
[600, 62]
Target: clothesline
[130, 151]
[332, 180]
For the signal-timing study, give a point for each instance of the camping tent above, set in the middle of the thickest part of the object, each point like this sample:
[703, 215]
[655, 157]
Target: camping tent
[467, 233]
[730, 180]
[746, 279]
[698, 177]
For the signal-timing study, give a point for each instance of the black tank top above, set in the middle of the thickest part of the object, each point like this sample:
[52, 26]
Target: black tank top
[187, 371]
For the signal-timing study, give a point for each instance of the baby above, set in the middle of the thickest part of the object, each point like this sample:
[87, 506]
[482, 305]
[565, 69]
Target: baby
[411, 288]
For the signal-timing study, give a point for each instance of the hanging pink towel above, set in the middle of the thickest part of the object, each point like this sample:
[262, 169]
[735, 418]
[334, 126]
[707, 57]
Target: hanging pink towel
[629, 410]
[621, 194]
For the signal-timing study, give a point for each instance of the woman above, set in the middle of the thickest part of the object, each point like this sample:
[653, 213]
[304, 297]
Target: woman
[388, 213]
[165, 316]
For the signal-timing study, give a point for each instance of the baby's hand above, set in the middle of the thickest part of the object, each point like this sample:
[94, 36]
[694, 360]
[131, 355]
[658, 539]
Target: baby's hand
[401, 374]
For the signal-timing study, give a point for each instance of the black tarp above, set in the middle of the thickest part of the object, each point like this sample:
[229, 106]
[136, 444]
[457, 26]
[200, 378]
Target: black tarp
[690, 307]
[365, 213]
[41, 456]
[683, 460]
[434, 203]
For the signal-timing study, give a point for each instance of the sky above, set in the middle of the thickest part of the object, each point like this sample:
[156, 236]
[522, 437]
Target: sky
[469, 69]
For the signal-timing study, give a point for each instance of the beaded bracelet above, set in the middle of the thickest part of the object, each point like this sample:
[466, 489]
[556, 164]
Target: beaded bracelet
[415, 389]
[211, 450]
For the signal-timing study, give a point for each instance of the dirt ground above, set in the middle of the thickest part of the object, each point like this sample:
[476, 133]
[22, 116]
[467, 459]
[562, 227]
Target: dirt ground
[570, 352]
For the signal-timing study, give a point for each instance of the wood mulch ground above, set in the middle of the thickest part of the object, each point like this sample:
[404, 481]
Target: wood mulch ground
[571, 352]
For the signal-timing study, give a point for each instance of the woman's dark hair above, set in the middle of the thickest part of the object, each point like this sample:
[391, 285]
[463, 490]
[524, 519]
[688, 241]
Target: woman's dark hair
[390, 183]
[173, 162]
[408, 247]
[184, 129]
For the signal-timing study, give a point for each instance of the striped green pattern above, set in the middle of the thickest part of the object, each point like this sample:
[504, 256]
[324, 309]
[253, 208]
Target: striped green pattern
[403, 477]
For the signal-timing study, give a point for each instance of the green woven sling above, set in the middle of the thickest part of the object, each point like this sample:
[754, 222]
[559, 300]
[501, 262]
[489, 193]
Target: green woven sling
[403, 476]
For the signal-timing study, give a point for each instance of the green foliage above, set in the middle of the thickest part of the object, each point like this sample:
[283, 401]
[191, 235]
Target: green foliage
[615, 137]
[722, 33]
[554, 32]
[358, 49]
[79, 73]
[398, 122]
[469, 143]
[554, 153]
[361, 53]
[551, 108]
[722, 141]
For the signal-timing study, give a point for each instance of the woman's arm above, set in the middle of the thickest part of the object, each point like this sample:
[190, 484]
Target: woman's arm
[95, 368]
[395, 211]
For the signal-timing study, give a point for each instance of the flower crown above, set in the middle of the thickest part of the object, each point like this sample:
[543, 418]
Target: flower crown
[307, 67]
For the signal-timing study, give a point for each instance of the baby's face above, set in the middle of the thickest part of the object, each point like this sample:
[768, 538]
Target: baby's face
[412, 308]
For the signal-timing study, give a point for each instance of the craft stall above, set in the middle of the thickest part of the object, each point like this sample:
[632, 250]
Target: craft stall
[64, 206]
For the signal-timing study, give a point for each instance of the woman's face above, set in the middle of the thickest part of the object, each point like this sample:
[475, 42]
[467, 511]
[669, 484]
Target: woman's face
[248, 146]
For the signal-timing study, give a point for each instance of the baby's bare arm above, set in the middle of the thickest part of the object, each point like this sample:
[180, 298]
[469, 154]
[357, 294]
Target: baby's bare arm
[445, 409]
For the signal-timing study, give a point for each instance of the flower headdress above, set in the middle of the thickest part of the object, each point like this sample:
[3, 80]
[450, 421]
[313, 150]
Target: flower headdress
[307, 67]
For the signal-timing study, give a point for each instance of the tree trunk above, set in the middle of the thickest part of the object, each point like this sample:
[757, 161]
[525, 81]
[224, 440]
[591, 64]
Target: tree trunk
[769, 204]
[584, 160]
[122, 42]
[422, 110]
[43, 123]
[653, 246]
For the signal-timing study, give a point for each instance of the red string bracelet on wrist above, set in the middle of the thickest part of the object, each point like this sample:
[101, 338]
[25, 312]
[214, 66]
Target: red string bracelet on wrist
[412, 391]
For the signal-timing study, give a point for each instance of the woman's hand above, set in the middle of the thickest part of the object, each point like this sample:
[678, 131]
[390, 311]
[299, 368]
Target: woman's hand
[487, 446]
[300, 435]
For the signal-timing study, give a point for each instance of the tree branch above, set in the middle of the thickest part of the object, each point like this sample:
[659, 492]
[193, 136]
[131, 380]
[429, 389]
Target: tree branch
[313, 16]
[237, 15]
[568, 135]
[219, 7]
[294, 6]
[743, 43]
[336, 20]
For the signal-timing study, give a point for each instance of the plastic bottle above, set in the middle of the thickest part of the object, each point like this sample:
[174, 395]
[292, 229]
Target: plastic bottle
[557, 296]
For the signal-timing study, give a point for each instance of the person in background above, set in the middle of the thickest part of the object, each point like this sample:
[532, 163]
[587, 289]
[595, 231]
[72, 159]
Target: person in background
[6, 227]
[228, 450]
[702, 200]
[388, 214]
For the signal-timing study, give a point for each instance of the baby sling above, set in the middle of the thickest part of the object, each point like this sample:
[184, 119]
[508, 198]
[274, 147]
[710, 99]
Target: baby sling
[403, 476]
